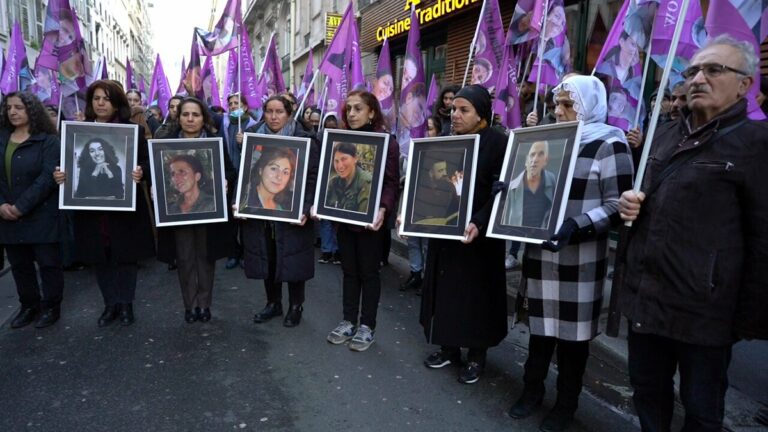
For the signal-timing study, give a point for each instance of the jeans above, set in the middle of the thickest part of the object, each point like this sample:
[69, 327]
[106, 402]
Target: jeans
[360, 265]
[653, 361]
[328, 242]
[417, 250]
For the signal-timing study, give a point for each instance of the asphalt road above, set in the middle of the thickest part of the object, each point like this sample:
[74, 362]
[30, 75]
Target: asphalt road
[162, 374]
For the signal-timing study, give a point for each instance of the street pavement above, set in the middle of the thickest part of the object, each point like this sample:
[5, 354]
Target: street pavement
[162, 374]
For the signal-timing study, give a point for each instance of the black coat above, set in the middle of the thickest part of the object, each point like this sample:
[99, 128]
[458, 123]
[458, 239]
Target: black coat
[128, 235]
[32, 190]
[696, 260]
[295, 253]
[464, 301]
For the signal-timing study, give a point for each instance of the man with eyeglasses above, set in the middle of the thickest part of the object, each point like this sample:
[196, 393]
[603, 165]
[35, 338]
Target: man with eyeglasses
[695, 278]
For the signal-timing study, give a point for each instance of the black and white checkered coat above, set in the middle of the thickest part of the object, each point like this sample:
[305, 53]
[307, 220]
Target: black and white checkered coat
[565, 289]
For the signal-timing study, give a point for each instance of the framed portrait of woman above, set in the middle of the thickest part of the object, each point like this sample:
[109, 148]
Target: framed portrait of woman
[350, 176]
[439, 184]
[538, 169]
[98, 159]
[188, 181]
[273, 175]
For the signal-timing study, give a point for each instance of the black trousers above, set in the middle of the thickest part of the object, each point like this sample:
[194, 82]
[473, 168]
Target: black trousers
[476, 355]
[653, 361]
[360, 254]
[571, 362]
[116, 280]
[195, 271]
[274, 288]
[48, 257]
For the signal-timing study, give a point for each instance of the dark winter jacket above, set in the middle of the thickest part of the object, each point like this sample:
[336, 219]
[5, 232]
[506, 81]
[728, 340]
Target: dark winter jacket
[32, 190]
[696, 262]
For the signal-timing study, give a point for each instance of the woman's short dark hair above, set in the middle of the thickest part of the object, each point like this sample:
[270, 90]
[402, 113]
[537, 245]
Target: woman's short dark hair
[133, 91]
[84, 160]
[207, 118]
[243, 101]
[173, 98]
[345, 147]
[370, 100]
[39, 122]
[283, 100]
[116, 97]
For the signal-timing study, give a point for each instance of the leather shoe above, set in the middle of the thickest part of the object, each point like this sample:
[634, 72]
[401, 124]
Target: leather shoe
[529, 401]
[47, 318]
[293, 317]
[109, 315]
[25, 317]
[204, 315]
[189, 316]
[126, 314]
[270, 311]
[558, 419]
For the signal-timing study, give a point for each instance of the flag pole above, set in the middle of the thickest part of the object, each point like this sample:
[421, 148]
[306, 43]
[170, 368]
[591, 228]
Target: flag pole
[614, 314]
[645, 76]
[472, 47]
[323, 95]
[540, 54]
[61, 98]
[239, 88]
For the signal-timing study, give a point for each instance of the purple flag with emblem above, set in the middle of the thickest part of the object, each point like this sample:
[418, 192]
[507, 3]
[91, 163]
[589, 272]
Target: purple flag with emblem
[411, 121]
[159, 89]
[336, 60]
[16, 73]
[432, 95]
[384, 87]
[224, 36]
[46, 86]
[523, 26]
[333, 98]
[63, 48]
[507, 101]
[692, 37]
[305, 89]
[556, 53]
[193, 82]
[210, 84]
[130, 79]
[272, 71]
[489, 46]
[734, 18]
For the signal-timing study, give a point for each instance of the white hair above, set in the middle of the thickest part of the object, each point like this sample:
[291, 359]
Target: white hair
[747, 50]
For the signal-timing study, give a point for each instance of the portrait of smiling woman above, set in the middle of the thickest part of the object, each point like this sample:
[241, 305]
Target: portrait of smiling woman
[99, 174]
[190, 182]
[274, 175]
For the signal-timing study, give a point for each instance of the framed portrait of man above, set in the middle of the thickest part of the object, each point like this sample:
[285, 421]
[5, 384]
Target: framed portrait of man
[98, 159]
[188, 181]
[350, 176]
[273, 176]
[439, 187]
[538, 169]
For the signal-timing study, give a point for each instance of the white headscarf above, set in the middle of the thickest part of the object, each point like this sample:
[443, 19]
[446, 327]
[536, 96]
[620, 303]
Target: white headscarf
[589, 101]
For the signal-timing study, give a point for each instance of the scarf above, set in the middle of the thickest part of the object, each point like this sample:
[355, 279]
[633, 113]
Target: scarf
[288, 130]
[589, 101]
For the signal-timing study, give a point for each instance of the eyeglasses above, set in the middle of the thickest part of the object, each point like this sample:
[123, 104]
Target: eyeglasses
[711, 70]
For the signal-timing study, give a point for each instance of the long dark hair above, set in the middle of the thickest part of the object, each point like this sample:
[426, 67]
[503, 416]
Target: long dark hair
[207, 119]
[377, 122]
[268, 155]
[86, 163]
[39, 122]
[116, 97]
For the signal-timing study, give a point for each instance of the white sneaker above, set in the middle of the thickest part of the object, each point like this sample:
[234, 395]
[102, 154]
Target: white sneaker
[511, 262]
[362, 340]
[342, 333]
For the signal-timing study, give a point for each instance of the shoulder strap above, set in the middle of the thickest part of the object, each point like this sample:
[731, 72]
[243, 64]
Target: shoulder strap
[677, 163]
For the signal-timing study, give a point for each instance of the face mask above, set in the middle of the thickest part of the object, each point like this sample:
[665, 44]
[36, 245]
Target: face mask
[237, 113]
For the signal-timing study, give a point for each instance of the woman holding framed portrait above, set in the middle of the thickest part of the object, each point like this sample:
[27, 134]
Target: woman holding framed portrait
[278, 252]
[29, 213]
[193, 248]
[464, 289]
[113, 242]
[359, 247]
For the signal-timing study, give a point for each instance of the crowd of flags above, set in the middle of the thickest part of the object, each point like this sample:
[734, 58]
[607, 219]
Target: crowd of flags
[535, 48]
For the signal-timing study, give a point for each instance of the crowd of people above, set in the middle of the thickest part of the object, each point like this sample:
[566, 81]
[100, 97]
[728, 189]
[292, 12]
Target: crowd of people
[694, 279]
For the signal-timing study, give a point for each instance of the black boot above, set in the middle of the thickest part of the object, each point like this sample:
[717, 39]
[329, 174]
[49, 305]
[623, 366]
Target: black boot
[47, 318]
[204, 315]
[24, 318]
[413, 282]
[109, 315]
[529, 401]
[293, 317]
[558, 419]
[126, 314]
[270, 311]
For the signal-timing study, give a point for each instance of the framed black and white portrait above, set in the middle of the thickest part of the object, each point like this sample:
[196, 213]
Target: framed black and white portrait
[273, 175]
[350, 176]
[538, 169]
[439, 184]
[188, 181]
[98, 159]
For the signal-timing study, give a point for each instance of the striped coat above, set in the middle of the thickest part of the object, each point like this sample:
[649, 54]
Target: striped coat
[565, 289]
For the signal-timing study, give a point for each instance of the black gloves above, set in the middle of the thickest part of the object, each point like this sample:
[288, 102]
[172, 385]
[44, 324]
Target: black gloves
[563, 236]
[498, 186]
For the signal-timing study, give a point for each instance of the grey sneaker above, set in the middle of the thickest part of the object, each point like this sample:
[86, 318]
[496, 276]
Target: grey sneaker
[342, 333]
[362, 339]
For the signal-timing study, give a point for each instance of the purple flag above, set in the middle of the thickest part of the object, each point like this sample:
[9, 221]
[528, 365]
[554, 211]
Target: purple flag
[142, 88]
[358, 79]
[230, 79]
[249, 85]
[272, 71]
[159, 89]
[723, 17]
[557, 52]
[16, 74]
[130, 79]
[304, 89]
[333, 98]
[489, 46]
[432, 95]
[46, 86]
[336, 60]
[411, 122]
[692, 37]
[104, 74]
[224, 36]
[180, 90]
[621, 69]
[384, 87]
[63, 47]
[507, 101]
[523, 26]
[210, 85]
[193, 82]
